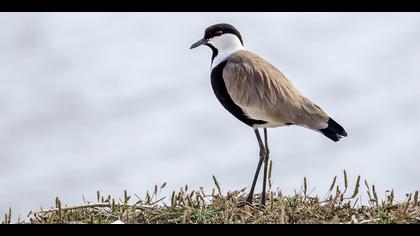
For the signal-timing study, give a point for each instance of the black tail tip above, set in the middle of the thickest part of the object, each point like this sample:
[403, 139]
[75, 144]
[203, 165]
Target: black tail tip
[334, 131]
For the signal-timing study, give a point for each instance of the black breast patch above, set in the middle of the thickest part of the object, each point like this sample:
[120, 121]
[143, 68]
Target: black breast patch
[219, 88]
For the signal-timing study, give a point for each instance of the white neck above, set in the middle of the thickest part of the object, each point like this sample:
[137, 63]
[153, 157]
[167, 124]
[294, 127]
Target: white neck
[226, 45]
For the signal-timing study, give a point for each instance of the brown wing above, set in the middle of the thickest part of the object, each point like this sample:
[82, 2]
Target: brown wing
[264, 93]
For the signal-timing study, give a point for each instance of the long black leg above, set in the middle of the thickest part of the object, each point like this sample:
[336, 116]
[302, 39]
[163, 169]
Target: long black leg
[267, 152]
[257, 172]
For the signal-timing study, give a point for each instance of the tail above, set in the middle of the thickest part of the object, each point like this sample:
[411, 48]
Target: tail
[334, 131]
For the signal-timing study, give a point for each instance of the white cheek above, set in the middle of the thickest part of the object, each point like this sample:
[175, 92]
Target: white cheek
[217, 42]
[226, 45]
[225, 41]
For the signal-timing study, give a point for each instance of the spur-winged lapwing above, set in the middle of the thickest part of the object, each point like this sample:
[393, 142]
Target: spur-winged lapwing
[258, 94]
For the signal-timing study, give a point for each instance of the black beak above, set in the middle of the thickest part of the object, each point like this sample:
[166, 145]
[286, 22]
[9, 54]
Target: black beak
[199, 43]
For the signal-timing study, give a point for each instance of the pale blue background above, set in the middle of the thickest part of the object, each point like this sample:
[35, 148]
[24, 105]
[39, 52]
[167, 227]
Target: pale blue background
[114, 101]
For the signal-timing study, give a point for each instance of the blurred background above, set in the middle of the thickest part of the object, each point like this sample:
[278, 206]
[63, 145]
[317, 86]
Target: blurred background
[115, 101]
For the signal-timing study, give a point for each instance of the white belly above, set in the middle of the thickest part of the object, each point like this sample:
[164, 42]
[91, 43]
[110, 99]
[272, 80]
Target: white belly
[257, 114]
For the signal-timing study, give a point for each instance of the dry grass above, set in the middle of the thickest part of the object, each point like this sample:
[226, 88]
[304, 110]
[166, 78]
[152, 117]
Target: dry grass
[340, 205]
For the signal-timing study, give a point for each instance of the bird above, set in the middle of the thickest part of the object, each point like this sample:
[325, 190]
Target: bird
[260, 95]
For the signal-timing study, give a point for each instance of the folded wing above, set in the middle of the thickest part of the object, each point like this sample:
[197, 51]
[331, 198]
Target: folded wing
[264, 93]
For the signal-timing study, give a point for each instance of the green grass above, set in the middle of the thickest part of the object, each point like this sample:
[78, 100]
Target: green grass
[340, 205]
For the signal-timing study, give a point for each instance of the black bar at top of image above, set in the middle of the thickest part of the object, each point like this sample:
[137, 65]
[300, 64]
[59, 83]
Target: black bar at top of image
[209, 6]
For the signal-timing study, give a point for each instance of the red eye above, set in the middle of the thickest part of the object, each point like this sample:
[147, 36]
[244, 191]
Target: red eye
[218, 33]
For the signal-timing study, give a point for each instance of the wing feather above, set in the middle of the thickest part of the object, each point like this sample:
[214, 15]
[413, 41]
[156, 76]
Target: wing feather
[264, 93]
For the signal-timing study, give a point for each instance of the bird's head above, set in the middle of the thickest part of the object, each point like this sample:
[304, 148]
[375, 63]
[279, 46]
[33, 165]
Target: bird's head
[220, 37]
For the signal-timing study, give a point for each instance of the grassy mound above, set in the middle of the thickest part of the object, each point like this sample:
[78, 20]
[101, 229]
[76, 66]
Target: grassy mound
[340, 205]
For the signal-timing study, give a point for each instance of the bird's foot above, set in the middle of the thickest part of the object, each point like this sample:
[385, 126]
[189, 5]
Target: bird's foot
[243, 204]
[247, 202]
[260, 206]
[250, 204]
